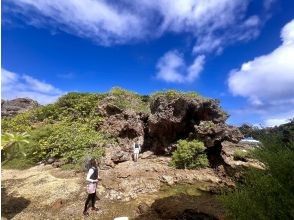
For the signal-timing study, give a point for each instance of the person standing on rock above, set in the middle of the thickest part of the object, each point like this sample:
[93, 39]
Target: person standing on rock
[136, 150]
[92, 179]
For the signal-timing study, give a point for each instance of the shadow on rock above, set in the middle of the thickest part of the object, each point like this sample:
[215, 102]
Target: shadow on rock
[185, 207]
[11, 206]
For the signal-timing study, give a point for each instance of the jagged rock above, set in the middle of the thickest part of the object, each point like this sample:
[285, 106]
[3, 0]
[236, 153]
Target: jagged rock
[120, 156]
[175, 118]
[122, 124]
[109, 109]
[16, 106]
[210, 132]
[146, 155]
[167, 179]
[228, 150]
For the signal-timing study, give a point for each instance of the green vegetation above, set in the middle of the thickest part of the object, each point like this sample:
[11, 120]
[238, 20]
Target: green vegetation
[70, 128]
[241, 155]
[128, 100]
[283, 134]
[19, 163]
[12, 145]
[69, 141]
[189, 154]
[269, 193]
[171, 94]
[64, 130]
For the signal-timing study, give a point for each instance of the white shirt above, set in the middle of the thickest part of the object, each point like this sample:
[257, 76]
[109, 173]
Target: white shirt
[136, 150]
[90, 172]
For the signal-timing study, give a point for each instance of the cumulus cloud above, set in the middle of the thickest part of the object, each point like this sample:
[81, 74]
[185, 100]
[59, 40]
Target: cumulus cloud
[18, 86]
[172, 68]
[267, 81]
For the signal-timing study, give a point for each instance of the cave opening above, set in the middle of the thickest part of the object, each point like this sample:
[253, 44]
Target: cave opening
[168, 133]
[214, 154]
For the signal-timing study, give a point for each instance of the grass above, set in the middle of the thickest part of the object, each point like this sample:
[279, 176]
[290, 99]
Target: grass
[17, 164]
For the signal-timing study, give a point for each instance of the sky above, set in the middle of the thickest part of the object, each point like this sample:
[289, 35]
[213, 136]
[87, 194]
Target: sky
[238, 51]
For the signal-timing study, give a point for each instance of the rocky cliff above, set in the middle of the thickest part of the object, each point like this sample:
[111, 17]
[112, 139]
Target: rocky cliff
[171, 117]
[157, 122]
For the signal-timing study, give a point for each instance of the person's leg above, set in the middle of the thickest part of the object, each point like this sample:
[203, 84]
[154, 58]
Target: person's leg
[136, 155]
[87, 203]
[93, 200]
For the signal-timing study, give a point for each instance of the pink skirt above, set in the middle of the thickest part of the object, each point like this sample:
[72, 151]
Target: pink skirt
[91, 188]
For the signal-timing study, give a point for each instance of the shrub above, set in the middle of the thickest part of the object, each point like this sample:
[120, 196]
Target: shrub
[241, 155]
[19, 123]
[125, 99]
[269, 193]
[171, 94]
[189, 154]
[70, 141]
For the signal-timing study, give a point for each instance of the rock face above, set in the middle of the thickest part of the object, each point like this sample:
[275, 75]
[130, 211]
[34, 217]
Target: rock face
[176, 118]
[16, 106]
[170, 118]
[210, 133]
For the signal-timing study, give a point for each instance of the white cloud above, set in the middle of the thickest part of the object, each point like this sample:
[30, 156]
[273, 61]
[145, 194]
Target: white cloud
[172, 68]
[16, 86]
[212, 24]
[98, 20]
[119, 22]
[268, 79]
[271, 122]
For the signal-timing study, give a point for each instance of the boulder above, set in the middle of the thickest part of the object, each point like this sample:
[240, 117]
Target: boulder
[120, 156]
[147, 155]
[174, 118]
[167, 179]
[143, 208]
[16, 106]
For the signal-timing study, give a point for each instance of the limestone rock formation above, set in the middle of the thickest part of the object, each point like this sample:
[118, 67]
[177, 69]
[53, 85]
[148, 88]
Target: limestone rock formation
[210, 133]
[16, 106]
[171, 117]
[174, 118]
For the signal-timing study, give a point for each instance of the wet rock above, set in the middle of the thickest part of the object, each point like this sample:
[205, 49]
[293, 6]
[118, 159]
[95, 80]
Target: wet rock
[180, 206]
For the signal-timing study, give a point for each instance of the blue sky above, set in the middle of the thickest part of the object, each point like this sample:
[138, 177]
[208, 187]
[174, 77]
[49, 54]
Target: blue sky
[241, 51]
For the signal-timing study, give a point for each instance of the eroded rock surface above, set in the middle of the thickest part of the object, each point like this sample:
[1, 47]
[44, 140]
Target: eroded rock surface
[16, 106]
[172, 119]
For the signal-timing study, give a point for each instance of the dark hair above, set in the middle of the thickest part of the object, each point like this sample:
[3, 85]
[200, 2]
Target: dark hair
[93, 163]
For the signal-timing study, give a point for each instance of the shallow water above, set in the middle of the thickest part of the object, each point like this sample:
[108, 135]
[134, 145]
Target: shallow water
[130, 208]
